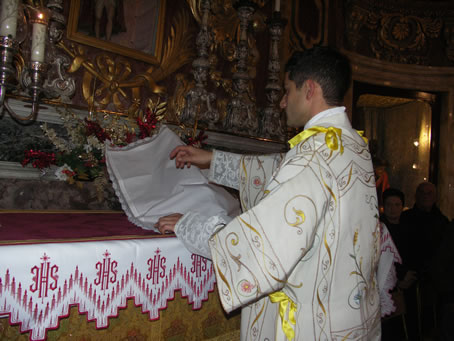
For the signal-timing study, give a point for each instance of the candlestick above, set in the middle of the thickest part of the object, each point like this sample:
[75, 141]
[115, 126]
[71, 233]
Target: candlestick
[277, 5]
[8, 18]
[39, 38]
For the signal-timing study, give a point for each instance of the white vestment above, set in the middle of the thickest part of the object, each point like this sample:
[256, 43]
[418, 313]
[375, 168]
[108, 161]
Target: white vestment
[310, 229]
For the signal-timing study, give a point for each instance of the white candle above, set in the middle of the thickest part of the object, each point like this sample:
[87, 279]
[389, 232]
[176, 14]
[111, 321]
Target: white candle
[38, 42]
[277, 5]
[8, 18]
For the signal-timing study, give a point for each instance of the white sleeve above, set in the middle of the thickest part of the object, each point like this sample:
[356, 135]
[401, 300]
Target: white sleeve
[194, 230]
[225, 169]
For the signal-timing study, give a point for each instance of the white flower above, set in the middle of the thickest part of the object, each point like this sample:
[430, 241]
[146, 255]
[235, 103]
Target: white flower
[94, 142]
[59, 172]
[88, 148]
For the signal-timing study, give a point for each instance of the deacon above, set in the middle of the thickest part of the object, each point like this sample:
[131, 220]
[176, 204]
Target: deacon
[302, 259]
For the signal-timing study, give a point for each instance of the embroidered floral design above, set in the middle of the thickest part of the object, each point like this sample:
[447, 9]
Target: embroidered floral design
[247, 288]
[361, 289]
[257, 182]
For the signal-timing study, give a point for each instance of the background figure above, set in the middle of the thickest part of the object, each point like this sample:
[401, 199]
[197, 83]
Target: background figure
[393, 204]
[381, 179]
[443, 271]
[109, 6]
[425, 227]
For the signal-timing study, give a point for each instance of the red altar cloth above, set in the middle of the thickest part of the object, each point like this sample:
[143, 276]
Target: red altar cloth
[46, 227]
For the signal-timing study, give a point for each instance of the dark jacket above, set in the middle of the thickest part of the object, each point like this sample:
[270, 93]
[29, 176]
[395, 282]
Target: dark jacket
[424, 232]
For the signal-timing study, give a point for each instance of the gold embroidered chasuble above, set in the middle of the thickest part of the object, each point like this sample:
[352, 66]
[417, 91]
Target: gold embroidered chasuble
[310, 230]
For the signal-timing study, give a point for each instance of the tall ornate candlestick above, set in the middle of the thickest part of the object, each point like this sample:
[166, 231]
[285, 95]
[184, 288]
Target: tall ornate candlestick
[271, 124]
[200, 104]
[8, 43]
[241, 115]
[35, 78]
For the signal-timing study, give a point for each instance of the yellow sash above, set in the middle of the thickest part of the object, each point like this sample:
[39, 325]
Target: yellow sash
[333, 137]
[284, 300]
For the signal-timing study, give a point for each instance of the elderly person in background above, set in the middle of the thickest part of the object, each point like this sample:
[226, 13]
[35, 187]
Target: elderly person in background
[393, 204]
[392, 328]
[425, 227]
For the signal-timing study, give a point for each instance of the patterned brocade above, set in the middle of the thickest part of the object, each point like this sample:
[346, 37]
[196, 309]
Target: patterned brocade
[310, 229]
[178, 322]
[224, 170]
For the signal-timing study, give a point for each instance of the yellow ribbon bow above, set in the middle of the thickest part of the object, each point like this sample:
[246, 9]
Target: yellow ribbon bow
[332, 137]
[284, 300]
[361, 133]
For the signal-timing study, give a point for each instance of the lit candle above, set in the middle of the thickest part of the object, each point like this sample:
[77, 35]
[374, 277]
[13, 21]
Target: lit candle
[39, 39]
[8, 18]
[277, 5]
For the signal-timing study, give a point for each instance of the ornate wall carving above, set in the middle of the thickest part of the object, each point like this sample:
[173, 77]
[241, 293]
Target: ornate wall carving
[399, 33]
[114, 83]
[226, 44]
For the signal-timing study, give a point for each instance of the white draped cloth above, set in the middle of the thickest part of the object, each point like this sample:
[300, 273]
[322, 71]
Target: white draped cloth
[387, 276]
[149, 185]
[309, 233]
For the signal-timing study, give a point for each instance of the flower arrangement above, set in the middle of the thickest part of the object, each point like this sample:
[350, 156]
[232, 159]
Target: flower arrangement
[80, 155]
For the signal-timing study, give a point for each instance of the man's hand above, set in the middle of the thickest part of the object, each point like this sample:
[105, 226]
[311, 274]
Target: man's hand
[187, 156]
[167, 224]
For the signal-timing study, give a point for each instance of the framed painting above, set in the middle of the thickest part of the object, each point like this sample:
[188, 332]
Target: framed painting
[131, 28]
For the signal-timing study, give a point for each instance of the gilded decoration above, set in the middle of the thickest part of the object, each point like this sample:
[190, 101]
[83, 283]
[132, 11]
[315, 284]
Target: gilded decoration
[221, 93]
[400, 35]
[110, 83]
[218, 94]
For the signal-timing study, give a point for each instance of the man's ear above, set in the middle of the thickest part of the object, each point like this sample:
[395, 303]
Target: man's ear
[310, 88]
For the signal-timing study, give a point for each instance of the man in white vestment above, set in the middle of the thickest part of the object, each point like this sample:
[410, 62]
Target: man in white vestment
[302, 259]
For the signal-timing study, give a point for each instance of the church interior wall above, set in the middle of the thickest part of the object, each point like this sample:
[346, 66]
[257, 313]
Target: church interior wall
[386, 60]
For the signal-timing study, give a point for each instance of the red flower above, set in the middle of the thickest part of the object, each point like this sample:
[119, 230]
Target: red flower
[38, 159]
[147, 124]
[130, 137]
[68, 173]
[198, 140]
[93, 128]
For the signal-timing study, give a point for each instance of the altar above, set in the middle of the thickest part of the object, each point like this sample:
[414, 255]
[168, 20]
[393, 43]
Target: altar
[90, 275]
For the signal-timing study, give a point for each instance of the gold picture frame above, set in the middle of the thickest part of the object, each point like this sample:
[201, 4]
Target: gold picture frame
[77, 34]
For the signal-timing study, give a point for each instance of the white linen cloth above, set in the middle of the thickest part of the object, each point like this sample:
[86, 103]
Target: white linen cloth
[40, 282]
[149, 185]
[386, 274]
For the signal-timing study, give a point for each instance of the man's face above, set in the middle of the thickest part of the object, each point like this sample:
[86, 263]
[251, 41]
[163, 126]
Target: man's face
[295, 104]
[393, 208]
[426, 196]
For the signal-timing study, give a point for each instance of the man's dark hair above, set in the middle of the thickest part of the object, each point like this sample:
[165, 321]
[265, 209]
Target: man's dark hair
[394, 192]
[327, 67]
